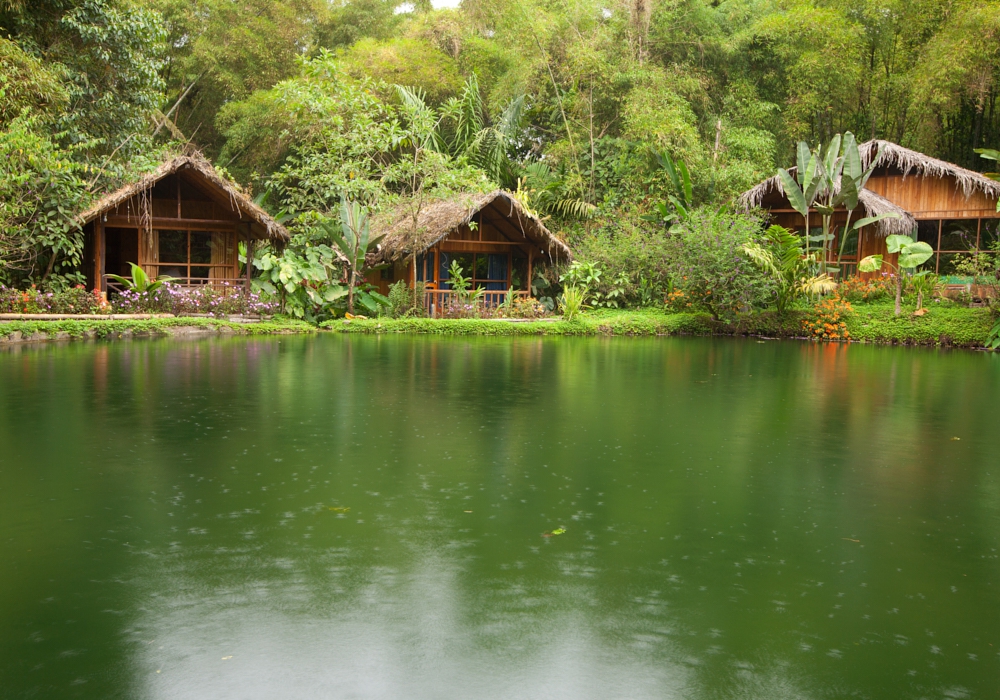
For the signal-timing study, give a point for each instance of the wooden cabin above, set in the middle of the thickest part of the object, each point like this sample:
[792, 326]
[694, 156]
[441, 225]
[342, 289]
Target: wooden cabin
[182, 220]
[493, 238]
[950, 208]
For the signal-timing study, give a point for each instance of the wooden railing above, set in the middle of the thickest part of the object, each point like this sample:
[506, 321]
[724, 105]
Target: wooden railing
[437, 301]
[237, 284]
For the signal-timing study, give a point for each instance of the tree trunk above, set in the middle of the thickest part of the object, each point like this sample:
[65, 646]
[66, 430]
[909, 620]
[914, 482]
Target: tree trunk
[350, 293]
[899, 292]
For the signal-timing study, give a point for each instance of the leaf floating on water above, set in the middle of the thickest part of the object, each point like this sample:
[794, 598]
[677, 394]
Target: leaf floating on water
[557, 531]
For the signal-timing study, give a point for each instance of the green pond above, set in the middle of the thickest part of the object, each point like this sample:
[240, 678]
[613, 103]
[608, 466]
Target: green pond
[407, 517]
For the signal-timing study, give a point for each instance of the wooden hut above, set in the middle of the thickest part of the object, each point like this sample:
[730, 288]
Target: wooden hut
[493, 238]
[183, 220]
[942, 204]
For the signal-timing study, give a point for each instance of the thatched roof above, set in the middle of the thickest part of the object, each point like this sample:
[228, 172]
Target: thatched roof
[262, 225]
[873, 205]
[908, 161]
[439, 218]
[895, 157]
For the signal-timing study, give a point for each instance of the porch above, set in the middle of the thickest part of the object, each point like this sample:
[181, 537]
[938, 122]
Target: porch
[236, 284]
[439, 301]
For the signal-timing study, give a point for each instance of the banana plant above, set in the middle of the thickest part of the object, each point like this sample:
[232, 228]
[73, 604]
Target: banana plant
[990, 154]
[683, 201]
[911, 254]
[993, 339]
[140, 281]
[354, 241]
[801, 190]
[825, 181]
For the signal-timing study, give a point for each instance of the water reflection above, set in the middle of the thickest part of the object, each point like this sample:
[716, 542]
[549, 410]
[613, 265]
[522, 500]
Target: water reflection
[366, 517]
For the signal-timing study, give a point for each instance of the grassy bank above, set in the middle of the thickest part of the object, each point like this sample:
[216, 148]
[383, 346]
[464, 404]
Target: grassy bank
[944, 324]
[28, 331]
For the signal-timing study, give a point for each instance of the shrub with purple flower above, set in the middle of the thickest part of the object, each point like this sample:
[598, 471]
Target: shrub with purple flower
[216, 300]
[76, 300]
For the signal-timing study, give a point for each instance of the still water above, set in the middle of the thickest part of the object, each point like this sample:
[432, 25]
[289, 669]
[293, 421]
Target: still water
[340, 517]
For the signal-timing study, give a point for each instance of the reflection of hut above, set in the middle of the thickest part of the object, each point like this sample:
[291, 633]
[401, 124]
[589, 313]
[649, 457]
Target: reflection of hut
[944, 205]
[183, 220]
[497, 243]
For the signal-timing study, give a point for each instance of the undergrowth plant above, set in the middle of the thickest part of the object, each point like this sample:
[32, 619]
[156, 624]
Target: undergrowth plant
[573, 299]
[826, 319]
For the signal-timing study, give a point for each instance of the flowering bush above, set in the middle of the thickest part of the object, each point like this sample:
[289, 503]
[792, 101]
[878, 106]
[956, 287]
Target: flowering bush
[76, 300]
[863, 290]
[677, 301]
[455, 308]
[221, 300]
[824, 321]
[524, 307]
[520, 307]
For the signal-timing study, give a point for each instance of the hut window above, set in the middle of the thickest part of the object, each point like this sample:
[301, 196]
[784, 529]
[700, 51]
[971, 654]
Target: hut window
[989, 233]
[486, 270]
[927, 231]
[957, 236]
[425, 268]
[195, 255]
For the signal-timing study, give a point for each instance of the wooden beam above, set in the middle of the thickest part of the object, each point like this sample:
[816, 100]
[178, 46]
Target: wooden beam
[177, 224]
[504, 219]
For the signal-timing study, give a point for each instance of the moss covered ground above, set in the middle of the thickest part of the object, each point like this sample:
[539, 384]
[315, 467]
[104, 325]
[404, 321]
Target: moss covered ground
[943, 324]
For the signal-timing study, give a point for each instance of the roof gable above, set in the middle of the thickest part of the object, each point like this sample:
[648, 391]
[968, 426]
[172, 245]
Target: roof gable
[204, 177]
[904, 160]
[439, 219]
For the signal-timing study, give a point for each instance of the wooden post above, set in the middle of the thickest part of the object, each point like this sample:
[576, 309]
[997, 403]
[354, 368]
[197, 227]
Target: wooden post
[250, 243]
[530, 269]
[100, 254]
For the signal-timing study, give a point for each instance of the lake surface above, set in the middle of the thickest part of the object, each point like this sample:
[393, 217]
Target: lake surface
[359, 517]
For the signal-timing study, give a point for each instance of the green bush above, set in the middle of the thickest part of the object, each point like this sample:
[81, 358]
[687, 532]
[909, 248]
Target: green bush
[707, 260]
[403, 300]
[632, 258]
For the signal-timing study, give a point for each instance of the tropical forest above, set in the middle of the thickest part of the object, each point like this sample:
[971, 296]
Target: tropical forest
[630, 130]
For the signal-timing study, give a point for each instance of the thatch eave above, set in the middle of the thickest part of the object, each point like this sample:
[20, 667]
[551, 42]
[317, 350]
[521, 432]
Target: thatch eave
[440, 218]
[266, 227]
[873, 205]
[909, 161]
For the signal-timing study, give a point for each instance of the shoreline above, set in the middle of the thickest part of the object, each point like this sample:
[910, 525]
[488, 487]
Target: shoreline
[14, 332]
[942, 326]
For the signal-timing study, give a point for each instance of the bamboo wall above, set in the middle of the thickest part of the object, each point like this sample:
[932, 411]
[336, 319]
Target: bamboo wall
[931, 197]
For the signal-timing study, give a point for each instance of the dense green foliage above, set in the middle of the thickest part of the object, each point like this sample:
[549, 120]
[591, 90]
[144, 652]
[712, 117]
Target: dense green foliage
[80, 81]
